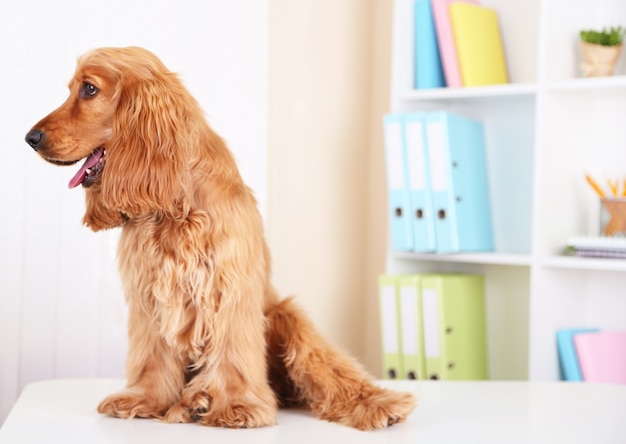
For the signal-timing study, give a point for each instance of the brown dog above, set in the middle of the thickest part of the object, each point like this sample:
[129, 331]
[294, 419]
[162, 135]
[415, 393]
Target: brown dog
[209, 339]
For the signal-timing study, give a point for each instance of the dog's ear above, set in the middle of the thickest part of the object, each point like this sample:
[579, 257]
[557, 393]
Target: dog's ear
[145, 158]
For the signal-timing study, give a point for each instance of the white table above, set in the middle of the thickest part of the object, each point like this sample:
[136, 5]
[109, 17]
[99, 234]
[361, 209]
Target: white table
[63, 411]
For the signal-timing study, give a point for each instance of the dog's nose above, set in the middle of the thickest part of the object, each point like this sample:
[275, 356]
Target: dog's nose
[34, 138]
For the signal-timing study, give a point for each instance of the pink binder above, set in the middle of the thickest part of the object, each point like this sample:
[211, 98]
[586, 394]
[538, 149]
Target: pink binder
[602, 356]
[445, 38]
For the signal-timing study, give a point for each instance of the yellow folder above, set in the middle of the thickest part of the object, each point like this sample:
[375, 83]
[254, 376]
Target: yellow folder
[390, 327]
[479, 45]
[453, 312]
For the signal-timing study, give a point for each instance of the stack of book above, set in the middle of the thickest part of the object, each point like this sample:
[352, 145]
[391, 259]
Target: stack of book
[587, 354]
[433, 326]
[598, 246]
[437, 183]
[457, 43]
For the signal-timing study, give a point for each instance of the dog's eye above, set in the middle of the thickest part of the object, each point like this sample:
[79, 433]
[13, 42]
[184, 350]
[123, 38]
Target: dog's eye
[88, 91]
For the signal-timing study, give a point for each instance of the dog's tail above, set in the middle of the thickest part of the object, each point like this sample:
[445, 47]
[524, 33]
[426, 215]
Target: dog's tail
[305, 368]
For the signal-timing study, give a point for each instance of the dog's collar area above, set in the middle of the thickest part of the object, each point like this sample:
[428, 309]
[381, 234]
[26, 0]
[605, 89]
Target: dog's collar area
[91, 169]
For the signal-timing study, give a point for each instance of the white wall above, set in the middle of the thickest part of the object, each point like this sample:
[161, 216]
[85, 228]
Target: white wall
[62, 313]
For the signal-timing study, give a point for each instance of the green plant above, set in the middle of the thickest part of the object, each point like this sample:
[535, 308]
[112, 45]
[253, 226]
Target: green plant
[611, 37]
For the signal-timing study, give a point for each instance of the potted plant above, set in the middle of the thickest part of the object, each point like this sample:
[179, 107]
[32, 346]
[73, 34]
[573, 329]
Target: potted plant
[601, 50]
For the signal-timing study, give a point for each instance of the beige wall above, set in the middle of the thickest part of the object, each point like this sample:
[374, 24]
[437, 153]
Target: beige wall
[329, 78]
[376, 211]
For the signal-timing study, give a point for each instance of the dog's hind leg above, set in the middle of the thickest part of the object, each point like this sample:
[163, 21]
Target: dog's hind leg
[331, 383]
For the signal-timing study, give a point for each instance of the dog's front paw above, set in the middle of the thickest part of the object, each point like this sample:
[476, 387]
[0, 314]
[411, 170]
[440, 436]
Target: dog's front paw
[203, 409]
[128, 404]
[374, 408]
[191, 408]
[239, 415]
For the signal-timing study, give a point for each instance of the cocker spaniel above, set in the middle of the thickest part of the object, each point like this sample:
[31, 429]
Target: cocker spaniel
[210, 341]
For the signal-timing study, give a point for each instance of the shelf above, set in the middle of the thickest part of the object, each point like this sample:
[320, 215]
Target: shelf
[587, 84]
[478, 92]
[518, 260]
[543, 132]
[521, 260]
[583, 263]
[515, 89]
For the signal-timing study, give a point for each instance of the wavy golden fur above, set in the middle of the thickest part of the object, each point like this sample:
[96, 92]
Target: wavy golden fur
[209, 339]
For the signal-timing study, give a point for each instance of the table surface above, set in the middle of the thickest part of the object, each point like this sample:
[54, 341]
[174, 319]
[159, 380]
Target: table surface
[63, 411]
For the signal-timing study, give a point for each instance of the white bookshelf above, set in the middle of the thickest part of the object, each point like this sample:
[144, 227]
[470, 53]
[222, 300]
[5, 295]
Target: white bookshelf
[544, 131]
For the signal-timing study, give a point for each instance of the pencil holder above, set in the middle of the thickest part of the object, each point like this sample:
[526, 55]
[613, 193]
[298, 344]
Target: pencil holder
[613, 217]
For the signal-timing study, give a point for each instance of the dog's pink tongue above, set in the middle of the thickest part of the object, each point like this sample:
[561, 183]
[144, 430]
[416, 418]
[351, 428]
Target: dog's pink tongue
[91, 160]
